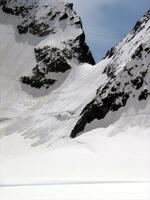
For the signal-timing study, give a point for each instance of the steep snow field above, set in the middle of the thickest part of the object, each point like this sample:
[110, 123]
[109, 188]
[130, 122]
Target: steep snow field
[38, 159]
[13, 65]
[116, 152]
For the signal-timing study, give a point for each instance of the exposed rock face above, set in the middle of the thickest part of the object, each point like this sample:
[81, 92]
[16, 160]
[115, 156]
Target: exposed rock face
[141, 23]
[54, 21]
[49, 59]
[128, 75]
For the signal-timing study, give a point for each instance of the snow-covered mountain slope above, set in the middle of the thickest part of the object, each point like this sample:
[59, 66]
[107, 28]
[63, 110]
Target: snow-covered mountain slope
[37, 118]
[40, 41]
[128, 81]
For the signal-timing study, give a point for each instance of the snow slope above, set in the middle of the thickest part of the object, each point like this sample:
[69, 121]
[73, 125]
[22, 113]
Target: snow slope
[25, 69]
[35, 123]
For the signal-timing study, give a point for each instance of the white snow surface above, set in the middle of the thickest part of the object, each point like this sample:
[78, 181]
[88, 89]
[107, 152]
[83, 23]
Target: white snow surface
[35, 148]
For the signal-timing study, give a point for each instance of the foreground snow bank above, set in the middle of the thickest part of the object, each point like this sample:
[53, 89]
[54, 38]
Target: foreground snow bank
[125, 191]
[94, 156]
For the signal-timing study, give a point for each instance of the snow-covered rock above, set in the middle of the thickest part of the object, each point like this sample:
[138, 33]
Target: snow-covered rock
[128, 76]
[60, 39]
